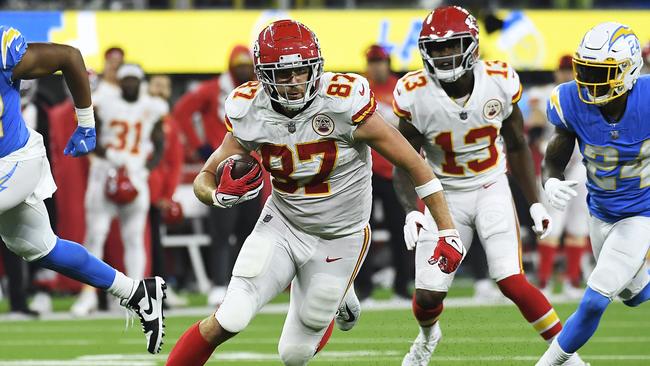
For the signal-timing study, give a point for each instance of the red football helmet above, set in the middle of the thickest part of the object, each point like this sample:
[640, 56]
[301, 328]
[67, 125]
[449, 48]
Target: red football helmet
[119, 188]
[288, 44]
[449, 27]
[173, 213]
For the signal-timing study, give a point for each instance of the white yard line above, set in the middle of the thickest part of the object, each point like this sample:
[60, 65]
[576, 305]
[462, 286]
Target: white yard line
[326, 356]
[459, 302]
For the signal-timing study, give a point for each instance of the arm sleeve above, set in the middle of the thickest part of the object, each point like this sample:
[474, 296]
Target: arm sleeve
[401, 102]
[363, 103]
[512, 88]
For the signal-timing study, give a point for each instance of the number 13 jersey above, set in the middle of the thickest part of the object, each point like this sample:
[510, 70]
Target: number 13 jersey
[321, 176]
[463, 144]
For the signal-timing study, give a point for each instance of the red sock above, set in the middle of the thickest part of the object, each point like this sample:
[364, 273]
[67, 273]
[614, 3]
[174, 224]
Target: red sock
[426, 317]
[532, 304]
[191, 349]
[573, 256]
[546, 261]
[326, 337]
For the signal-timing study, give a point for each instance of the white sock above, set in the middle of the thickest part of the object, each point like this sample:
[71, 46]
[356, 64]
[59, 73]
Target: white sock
[426, 331]
[122, 286]
[554, 355]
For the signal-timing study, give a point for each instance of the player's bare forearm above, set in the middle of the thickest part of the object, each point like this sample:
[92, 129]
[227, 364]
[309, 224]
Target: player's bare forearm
[42, 59]
[390, 143]
[518, 154]
[558, 153]
[158, 138]
[205, 183]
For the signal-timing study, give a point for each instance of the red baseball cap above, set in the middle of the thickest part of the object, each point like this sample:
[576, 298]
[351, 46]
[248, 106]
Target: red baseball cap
[566, 63]
[377, 53]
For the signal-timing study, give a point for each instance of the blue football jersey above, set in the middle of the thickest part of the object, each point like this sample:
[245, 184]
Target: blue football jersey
[13, 131]
[617, 155]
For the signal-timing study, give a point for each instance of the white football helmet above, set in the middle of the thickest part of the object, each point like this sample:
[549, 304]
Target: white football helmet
[607, 63]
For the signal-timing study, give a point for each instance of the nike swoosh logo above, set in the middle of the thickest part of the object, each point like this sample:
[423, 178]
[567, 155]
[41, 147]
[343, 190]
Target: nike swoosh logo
[149, 311]
[363, 90]
[351, 316]
[18, 47]
[328, 259]
[82, 142]
[488, 185]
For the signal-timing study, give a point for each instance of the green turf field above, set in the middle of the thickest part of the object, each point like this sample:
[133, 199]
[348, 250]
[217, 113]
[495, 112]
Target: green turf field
[472, 336]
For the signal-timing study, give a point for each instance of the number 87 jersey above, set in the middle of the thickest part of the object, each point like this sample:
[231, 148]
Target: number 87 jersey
[321, 176]
[463, 144]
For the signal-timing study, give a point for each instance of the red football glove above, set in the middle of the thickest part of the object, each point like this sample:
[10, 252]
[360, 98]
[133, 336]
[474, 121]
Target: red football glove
[234, 191]
[449, 252]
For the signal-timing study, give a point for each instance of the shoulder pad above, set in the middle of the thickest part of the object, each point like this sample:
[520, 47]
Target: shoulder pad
[241, 99]
[505, 77]
[406, 90]
[344, 90]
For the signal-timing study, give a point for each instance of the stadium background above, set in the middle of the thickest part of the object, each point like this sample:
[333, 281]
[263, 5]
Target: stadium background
[194, 44]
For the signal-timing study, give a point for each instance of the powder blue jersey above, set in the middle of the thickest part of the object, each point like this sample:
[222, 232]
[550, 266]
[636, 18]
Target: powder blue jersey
[13, 131]
[617, 155]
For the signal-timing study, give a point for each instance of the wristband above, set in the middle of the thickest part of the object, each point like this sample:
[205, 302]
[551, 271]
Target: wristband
[429, 188]
[85, 117]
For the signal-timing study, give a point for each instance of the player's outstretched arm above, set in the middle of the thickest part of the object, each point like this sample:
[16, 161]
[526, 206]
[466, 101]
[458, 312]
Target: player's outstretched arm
[43, 59]
[386, 140]
[205, 183]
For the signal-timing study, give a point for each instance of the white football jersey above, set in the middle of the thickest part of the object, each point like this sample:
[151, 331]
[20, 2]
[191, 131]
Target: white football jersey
[463, 144]
[321, 176]
[125, 129]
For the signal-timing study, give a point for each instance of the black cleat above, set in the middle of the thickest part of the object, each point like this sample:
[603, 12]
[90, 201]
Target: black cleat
[147, 302]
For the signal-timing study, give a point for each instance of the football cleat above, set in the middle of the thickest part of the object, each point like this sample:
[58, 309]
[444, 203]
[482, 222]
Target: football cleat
[422, 348]
[147, 302]
[349, 312]
[575, 360]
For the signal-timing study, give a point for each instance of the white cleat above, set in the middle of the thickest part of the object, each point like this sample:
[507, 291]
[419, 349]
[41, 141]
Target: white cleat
[575, 360]
[147, 302]
[41, 303]
[486, 292]
[349, 312]
[572, 293]
[86, 303]
[422, 348]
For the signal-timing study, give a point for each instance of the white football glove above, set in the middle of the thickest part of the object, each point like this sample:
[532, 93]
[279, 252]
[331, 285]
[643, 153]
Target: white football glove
[223, 200]
[414, 223]
[541, 219]
[560, 192]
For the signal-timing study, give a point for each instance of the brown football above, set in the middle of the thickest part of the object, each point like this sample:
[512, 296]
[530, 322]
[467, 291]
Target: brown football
[243, 165]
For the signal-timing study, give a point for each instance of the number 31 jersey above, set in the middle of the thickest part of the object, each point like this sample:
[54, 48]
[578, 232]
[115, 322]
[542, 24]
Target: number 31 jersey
[463, 144]
[321, 176]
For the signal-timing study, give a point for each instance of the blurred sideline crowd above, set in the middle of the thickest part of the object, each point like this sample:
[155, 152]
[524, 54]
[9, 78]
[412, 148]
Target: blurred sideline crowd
[157, 227]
